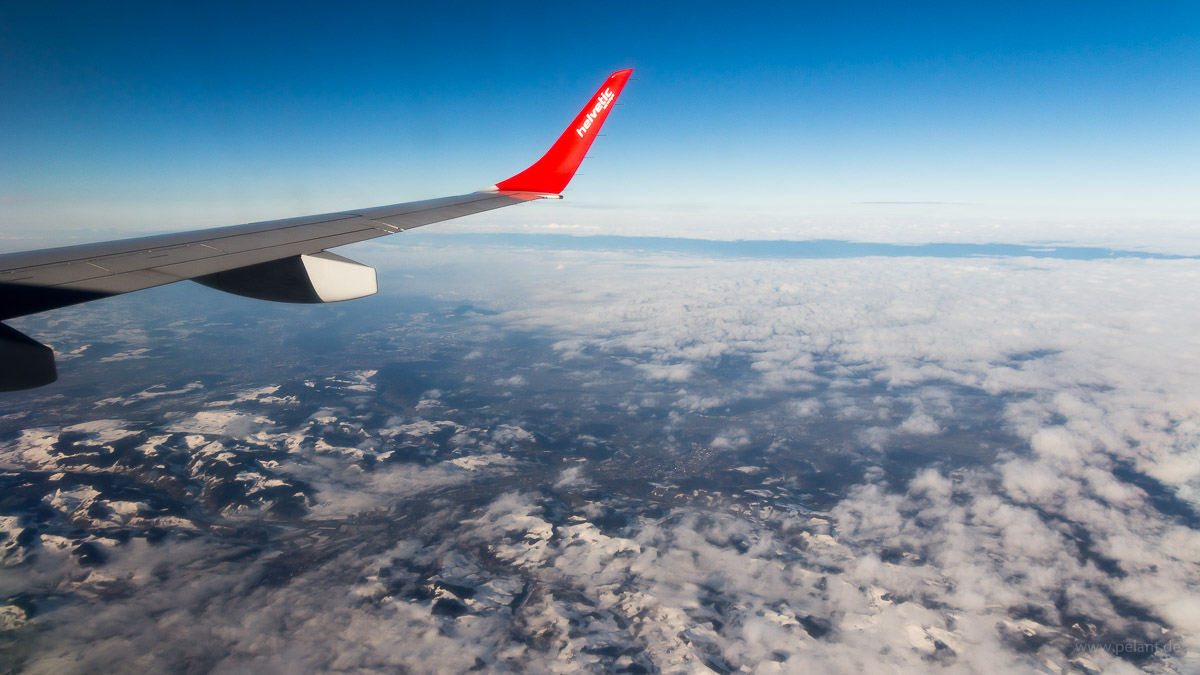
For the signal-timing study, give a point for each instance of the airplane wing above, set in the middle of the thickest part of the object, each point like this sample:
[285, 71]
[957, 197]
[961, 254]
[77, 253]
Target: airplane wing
[282, 260]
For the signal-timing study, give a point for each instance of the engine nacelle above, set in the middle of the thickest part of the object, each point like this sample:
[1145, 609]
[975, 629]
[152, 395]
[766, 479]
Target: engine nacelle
[24, 362]
[321, 277]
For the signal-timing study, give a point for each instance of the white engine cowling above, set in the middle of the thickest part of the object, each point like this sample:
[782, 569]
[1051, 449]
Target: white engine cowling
[320, 277]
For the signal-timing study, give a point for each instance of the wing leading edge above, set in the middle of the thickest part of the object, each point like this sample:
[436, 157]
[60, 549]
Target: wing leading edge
[267, 259]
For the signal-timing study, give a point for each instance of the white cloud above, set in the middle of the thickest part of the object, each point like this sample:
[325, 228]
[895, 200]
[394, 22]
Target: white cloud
[1051, 379]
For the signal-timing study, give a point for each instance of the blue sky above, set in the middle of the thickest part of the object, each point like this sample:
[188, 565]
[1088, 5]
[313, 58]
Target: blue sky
[169, 117]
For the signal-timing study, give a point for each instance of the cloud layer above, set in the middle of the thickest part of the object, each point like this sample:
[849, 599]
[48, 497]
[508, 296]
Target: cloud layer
[633, 462]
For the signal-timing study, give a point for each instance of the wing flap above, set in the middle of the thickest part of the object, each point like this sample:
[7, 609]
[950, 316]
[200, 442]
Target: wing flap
[126, 282]
[55, 274]
[154, 258]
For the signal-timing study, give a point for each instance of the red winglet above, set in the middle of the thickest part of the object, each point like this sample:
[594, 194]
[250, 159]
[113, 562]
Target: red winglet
[555, 169]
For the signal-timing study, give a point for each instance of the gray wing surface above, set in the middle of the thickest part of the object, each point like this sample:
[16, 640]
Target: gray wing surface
[36, 281]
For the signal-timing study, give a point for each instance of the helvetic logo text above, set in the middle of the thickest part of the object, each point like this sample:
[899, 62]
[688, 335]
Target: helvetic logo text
[602, 102]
